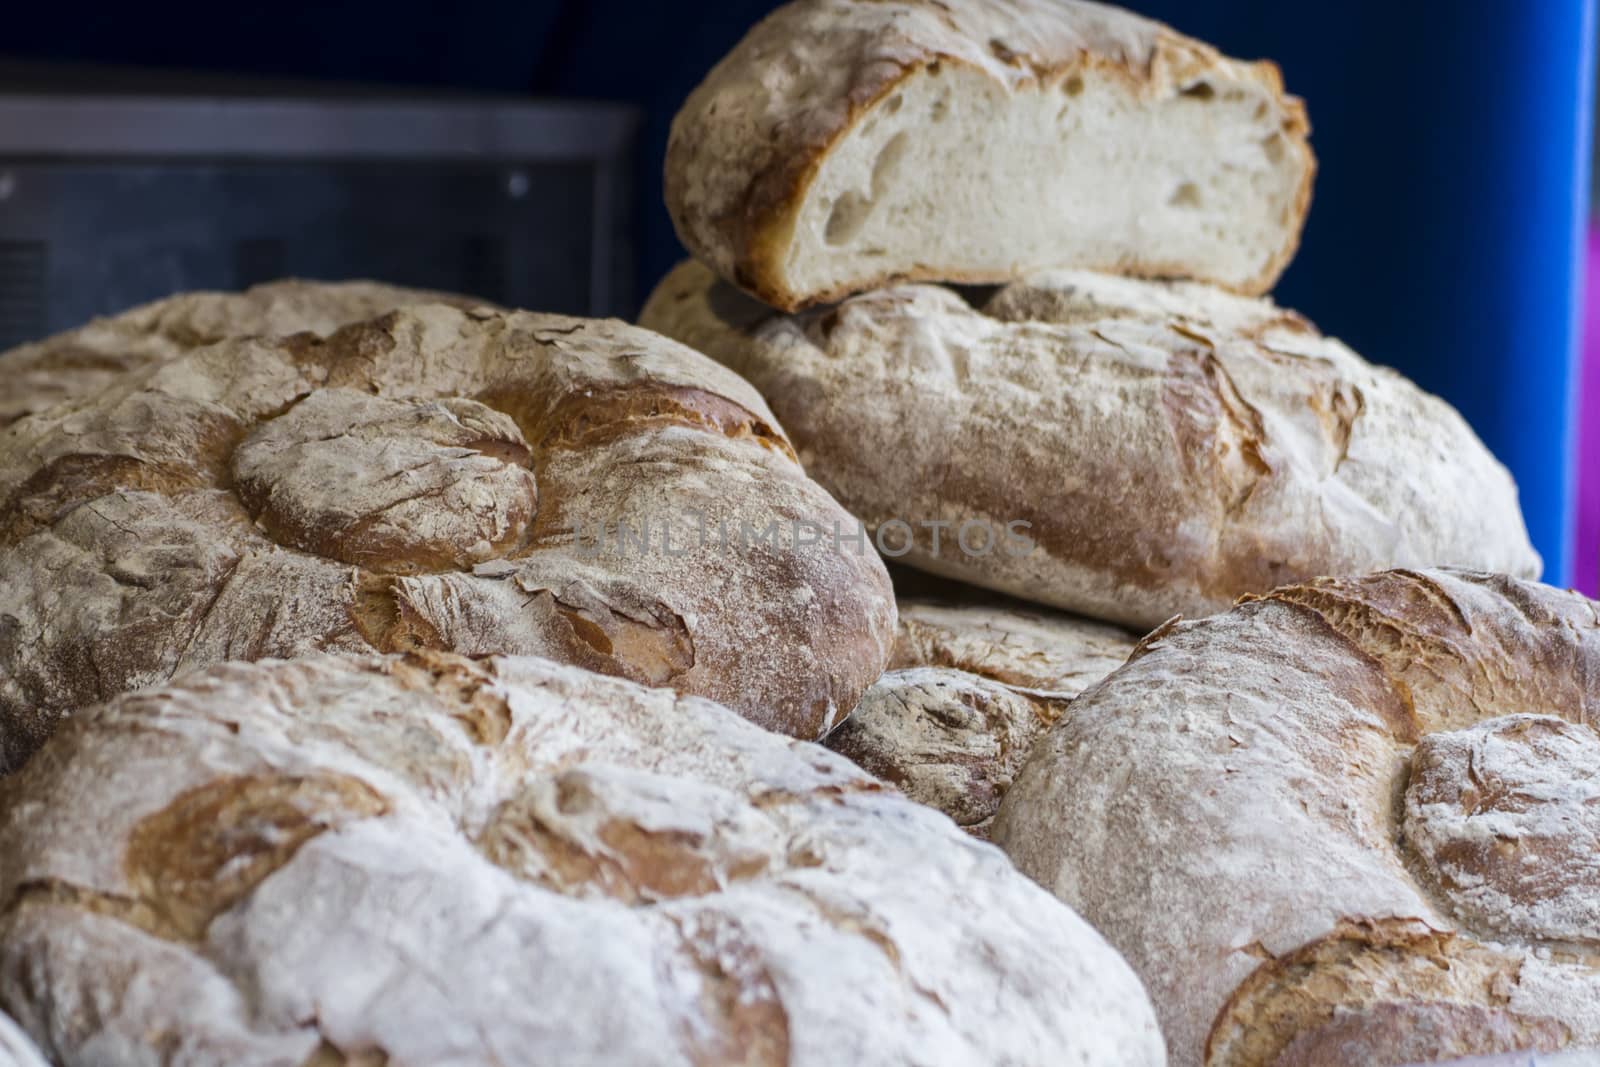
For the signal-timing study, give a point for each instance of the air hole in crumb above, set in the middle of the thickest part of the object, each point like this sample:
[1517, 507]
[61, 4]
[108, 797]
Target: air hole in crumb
[1186, 195]
[1261, 110]
[849, 214]
[1199, 91]
[1273, 147]
[889, 157]
[851, 210]
[940, 108]
[933, 69]
[1073, 85]
[892, 104]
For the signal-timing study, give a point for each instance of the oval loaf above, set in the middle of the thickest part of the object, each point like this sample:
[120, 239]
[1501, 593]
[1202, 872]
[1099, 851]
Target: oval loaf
[473, 480]
[1168, 446]
[1356, 820]
[431, 860]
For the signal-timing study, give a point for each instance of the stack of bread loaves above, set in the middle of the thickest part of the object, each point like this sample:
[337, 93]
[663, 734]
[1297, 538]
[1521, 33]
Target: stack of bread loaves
[390, 678]
[999, 271]
[266, 814]
[289, 784]
[1092, 434]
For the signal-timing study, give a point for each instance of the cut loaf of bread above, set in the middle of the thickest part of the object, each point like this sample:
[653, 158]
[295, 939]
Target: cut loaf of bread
[844, 144]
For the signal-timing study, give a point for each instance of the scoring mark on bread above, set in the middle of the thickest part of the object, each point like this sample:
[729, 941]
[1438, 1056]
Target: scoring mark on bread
[212, 845]
[393, 486]
[209, 847]
[737, 996]
[597, 415]
[1370, 982]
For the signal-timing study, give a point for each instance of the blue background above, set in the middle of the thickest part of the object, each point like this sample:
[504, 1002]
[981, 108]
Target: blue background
[1453, 139]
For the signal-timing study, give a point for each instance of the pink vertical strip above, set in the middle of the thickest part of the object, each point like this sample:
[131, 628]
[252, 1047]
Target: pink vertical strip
[1586, 562]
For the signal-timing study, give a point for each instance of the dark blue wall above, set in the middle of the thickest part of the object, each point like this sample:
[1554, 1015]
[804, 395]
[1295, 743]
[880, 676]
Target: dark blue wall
[1443, 236]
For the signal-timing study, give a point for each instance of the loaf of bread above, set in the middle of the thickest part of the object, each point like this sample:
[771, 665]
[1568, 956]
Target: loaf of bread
[479, 481]
[1354, 821]
[843, 145]
[1124, 449]
[83, 361]
[16, 1048]
[970, 689]
[433, 860]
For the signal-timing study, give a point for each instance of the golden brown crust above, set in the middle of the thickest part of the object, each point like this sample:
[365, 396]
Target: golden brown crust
[1385, 993]
[1169, 446]
[1366, 824]
[477, 480]
[1460, 647]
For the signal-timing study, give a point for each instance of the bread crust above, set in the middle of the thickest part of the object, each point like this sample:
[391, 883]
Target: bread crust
[748, 142]
[80, 362]
[1365, 827]
[1170, 446]
[428, 859]
[971, 687]
[473, 480]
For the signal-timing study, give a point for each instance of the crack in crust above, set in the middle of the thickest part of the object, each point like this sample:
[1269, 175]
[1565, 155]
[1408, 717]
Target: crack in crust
[1389, 992]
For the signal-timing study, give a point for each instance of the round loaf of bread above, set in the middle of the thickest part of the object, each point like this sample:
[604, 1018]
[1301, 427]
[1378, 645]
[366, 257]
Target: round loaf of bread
[472, 480]
[843, 145]
[83, 361]
[16, 1048]
[971, 687]
[1354, 821]
[1127, 450]
[432, 860]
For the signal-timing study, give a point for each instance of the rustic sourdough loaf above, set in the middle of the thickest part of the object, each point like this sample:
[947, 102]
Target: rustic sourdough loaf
[1354, 821]
[844, 144]
[432, 860]
[971, 687]
[80, 362]
[1169, 446]
[473, 480]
